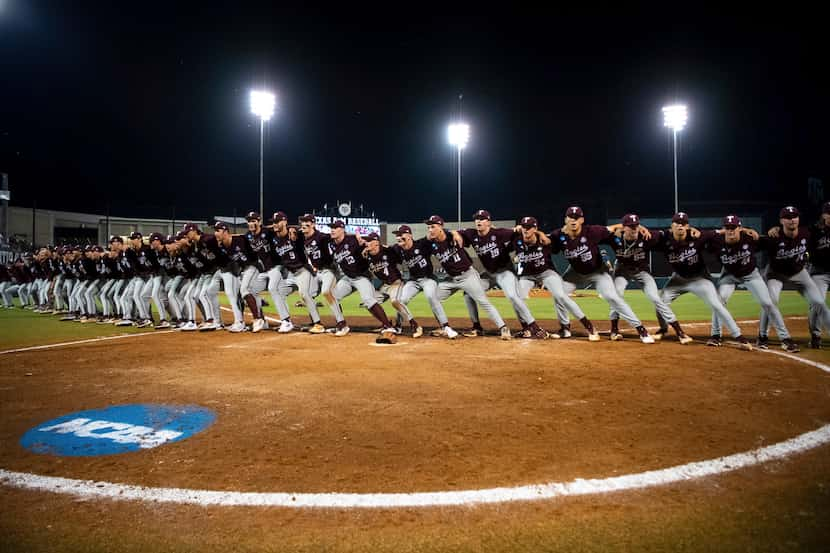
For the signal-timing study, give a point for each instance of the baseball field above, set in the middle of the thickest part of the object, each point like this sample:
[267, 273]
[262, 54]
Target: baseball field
[306, 442]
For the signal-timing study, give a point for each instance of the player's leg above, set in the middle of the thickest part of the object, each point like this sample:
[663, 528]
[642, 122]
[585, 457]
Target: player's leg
[620, 284]
[250, 274]
[509, 284]
[822, 281]
[563, 302]
[159, 299]
[759, 290]
[726, 287]
[210, 299]
[395, 292]
[471, 284]
[605, 287]
[279, 288]
[328, 280]
[141, 297]
[366, 291]
[307, 285]
[814, 297]
[705, 290]
[231, 282]
[90, 294]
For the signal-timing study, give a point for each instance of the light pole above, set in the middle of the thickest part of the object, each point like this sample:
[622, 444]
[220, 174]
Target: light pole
[458, 135]
[675, 117]
[262, 105]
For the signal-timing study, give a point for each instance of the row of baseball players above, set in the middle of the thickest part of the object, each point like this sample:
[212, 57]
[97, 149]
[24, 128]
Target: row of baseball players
[183, 274]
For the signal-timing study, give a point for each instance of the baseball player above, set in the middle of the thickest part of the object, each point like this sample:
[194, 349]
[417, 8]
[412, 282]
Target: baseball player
[144, 270]
[579, 243]
[318, 249]
[94, 282]
[383, 263]
[154, 288]
[534, 266]
[257, 275]
[819, 249]
[290, 248]
[736, 245]
[203, 248]
[108, 270]
[449, 250]
[786, 247]
[234, 256]
[684, 252]
[493, 247]
[632, 244]
[193, 266]
[88, 277]
[415, 255]
[6, 286]
[347, 251]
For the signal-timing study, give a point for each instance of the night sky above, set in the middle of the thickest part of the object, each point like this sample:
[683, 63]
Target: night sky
[142, 107]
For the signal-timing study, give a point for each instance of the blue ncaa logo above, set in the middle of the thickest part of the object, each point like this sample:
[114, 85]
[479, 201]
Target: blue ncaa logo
[118, 429]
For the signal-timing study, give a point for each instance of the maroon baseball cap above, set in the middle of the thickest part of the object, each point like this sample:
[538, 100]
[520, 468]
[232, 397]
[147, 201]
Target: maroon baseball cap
[681, 218]
[529, 222]
[371, 237]
[338, 224]
[825, 208]
[88, 248]
[170, 239]
[190, 226]
[98, 249]
[156, 236]
[221, 225]
[731, 221]
[574, 212]
[402, 229]
[136, 236]
[253, 216]
[481, 214]
[631, 220]
[788, 212]
[307, 218]
[435, 220]
[113, 238]
[279, 216]
[181, 235]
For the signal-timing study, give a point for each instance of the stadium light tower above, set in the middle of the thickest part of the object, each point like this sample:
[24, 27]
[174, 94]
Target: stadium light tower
[458, 135]
[675, 117]
[262, 105]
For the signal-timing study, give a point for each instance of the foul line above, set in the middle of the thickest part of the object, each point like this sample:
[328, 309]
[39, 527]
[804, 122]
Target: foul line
[680, 473]
[90, 340]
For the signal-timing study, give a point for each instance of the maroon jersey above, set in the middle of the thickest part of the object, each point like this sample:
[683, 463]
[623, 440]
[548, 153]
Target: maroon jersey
[290, 252]
[318, 250]
[21, 274]
[262, 244]
[88, 269]
[582, 252]
[384, 265]
[738, 259]
[819, 248]
[145, 261]
[348, 254]
[532, 259]
[417, 258]
[493, 249]
[686, 256]
[632, 255]
[238, 255]
[787, 256]
[205, 248]
[453, 259]
[107, 268]
[196, 261]
[5, 276]
[46, 268]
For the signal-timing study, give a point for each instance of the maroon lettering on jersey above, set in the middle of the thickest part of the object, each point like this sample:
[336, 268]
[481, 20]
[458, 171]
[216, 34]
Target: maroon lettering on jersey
[318, 250]
[348, 255]
[582, 251]
[532, 258]
[237, 253]
[493, 249]
[738, 259]
[686, 256]
[384, 265]
[262, 244]
[819, 248]
[633, 255]
[453, 259]
[290, 252]
[417, 258]
[787, 256]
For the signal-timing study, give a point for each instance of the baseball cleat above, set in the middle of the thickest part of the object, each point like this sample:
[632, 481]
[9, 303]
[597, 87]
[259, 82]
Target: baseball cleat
[789, 346]
[659, 334]
[615, 337]
[685, 339]
[437, 332]
[815, 342]
[189, 326]
[563, 333]
[259, 324]
[342, 331]
[473, 332]
[207, 327]
[237, 326]
[162, 325]
[387, 336]
[316, 328]
[124, 322]
[450, 333]
[761, 343]
[417, 332]
[745, 345]
[144, 324]
[647, 339]
[505, 334]
[714, 341]
[288, 326]
[90, 320]
[524, 333]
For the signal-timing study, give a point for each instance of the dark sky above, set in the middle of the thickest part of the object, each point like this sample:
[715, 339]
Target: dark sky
[143, 107]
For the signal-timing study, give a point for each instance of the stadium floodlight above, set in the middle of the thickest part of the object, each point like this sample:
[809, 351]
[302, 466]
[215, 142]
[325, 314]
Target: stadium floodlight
[675, 117]
[458, 135]
[262, 105]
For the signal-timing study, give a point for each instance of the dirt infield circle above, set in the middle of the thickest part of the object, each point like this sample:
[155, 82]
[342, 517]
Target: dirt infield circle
[480, 420]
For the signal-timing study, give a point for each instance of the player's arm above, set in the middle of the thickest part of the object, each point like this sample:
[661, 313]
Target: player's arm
[694, 232]
[457, 238]
[752, 233]
[774, 232]
[544, 239]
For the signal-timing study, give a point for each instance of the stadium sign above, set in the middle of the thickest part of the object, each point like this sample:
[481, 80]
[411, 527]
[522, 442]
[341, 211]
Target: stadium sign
[118, 429]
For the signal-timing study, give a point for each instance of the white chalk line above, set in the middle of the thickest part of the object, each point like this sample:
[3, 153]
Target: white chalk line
[679, 473]
[87, 341]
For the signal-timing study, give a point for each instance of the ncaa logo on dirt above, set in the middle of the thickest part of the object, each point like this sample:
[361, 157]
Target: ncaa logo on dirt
[119, 429]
